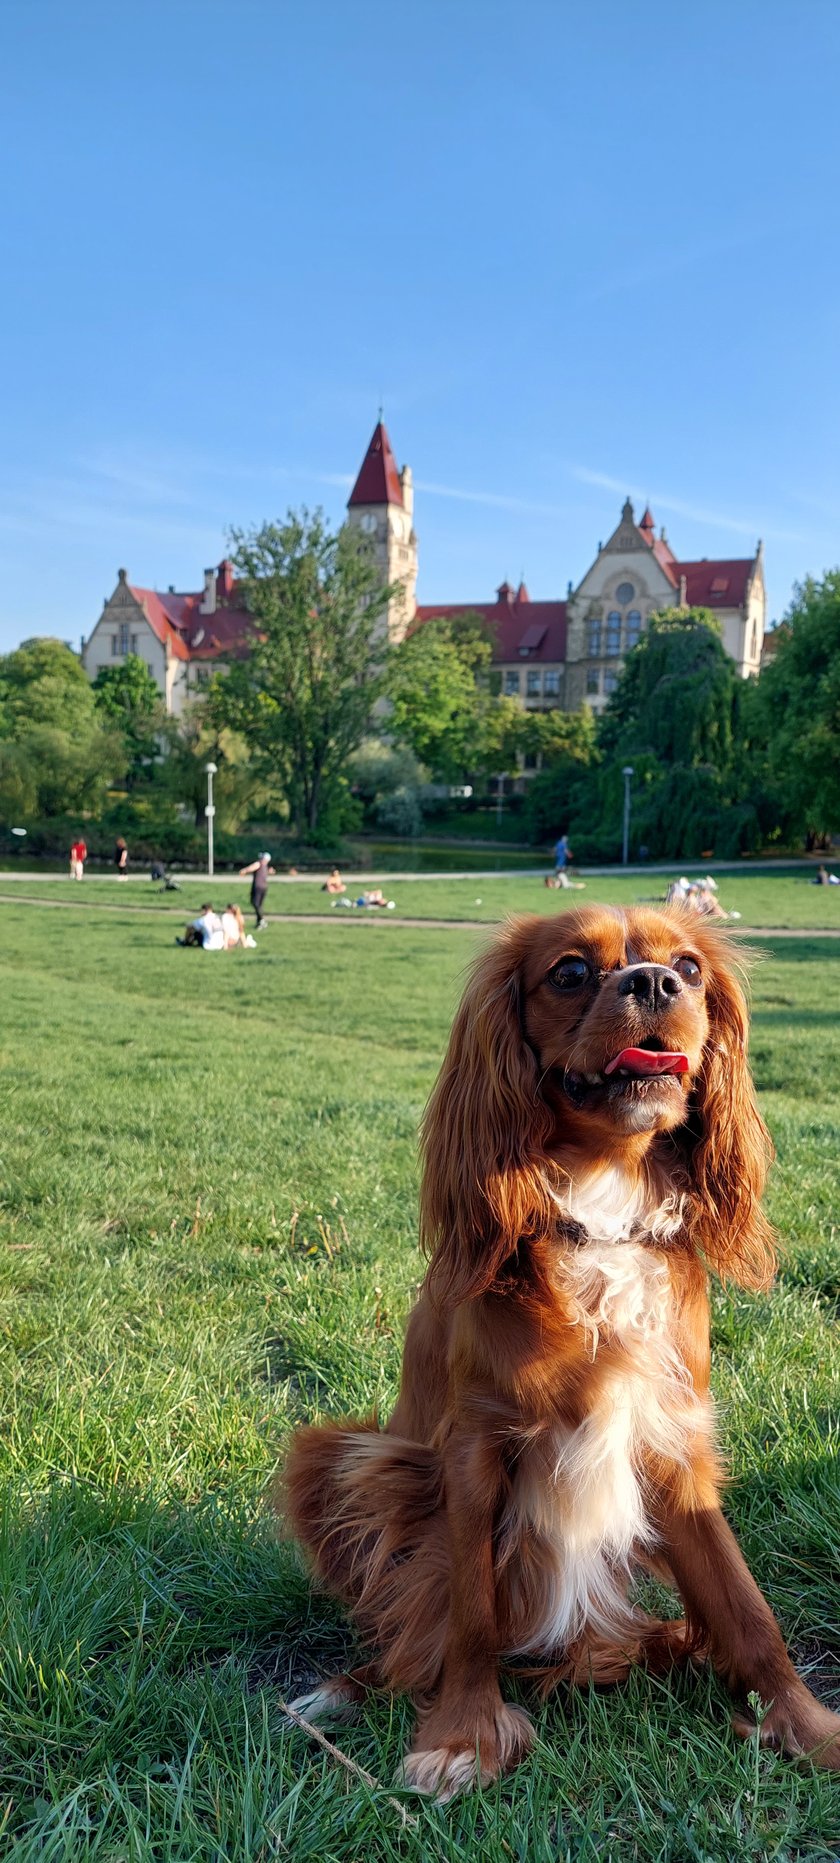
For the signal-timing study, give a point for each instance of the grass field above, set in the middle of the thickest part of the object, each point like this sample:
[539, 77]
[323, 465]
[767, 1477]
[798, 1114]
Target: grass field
[778, 901]
[208, 1208]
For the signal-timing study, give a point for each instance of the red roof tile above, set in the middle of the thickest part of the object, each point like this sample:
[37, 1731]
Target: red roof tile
[177, 620]
[378, 482]
[716, 584]
[514, 625]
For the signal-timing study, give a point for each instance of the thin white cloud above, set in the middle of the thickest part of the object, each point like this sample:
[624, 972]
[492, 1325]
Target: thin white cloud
[499, 501]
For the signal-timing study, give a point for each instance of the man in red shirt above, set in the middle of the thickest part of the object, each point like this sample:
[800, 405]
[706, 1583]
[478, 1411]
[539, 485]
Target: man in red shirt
[78, 856]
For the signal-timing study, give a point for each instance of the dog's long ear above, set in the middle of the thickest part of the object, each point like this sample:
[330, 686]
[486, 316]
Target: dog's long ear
[730, 1159]
[483, 1133]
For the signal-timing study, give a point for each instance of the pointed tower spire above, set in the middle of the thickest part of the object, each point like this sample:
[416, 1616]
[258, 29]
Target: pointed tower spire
[647, 526]
[378, 482]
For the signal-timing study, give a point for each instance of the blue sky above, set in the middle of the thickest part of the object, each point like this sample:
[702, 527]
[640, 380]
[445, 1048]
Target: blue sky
[574, 252]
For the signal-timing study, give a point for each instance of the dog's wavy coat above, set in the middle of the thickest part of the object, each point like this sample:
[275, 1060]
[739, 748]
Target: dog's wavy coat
[592, 1149]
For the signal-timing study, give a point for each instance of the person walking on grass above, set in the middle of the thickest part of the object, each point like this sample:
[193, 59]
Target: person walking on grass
[121, 858]
[78, 856]
[260, 870]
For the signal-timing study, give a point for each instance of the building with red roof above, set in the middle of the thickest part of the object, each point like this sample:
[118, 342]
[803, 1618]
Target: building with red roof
[564, 653]
[181, 637]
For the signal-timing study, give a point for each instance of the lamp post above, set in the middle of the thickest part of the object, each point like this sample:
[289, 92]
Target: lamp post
[210, 769]
[625, 850]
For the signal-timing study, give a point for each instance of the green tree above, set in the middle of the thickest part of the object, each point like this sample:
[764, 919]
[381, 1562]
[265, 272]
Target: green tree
[126, 696]
[442, 702]
[303, 696]
[567, 745]
[677, 695]
[57, 755]
[798, 707]
[676, 717]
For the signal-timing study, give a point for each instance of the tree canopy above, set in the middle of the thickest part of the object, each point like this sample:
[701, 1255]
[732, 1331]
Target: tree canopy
[442, 704]
[303, 696]
[126, 695]
[57, 755]
[798, 710]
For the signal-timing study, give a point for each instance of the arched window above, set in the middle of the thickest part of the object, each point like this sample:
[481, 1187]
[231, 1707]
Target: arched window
[594, 638]
[613, 631]
[634, 627]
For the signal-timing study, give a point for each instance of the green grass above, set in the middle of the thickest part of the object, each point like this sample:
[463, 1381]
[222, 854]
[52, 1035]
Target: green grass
[775, 901]
[208, 1210]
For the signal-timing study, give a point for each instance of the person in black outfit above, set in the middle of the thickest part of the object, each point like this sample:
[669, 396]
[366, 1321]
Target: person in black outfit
[260, 870]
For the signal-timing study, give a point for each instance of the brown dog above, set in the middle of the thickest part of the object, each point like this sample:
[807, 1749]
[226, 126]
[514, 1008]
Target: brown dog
[592, 1148]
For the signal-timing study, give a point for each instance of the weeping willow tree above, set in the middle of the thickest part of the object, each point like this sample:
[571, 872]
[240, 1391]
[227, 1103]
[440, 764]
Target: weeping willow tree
[676, 718]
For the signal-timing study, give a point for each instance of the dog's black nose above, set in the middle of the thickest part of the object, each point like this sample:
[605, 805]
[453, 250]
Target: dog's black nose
[652, 984]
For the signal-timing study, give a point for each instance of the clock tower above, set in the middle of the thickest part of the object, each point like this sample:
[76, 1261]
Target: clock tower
[381, 506]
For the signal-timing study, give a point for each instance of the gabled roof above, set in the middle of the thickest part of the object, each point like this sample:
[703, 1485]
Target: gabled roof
[378, 482]
[526, 632]
[179, 624]
[712, 583]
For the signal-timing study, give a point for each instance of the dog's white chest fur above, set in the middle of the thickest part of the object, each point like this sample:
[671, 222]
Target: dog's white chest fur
[588, 1509]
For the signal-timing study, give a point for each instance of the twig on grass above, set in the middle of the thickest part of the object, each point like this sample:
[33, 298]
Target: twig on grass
[375, 1785]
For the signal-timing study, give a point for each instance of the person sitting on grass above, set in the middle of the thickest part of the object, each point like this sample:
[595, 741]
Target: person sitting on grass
[233, 926]
[334, 883]
[206, 931]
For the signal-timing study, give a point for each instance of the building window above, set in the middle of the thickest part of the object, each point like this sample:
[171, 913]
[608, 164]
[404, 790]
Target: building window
[511, 681]
[593, 681]
[533, 683]
[135, 639]
[625, 593]
[123, 646]
[529, 760]
[613, 632]
[594, 638]
[754, 641]
[634, 627]
[610, 682]
[115, 645]
[551, 682]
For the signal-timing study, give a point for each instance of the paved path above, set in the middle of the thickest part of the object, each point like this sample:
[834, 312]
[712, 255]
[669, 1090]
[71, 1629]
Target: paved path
[368, 877]
[365, 918]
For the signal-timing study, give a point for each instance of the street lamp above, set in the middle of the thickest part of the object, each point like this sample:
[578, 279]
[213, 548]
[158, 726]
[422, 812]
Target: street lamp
[210, 769]
[626, 773]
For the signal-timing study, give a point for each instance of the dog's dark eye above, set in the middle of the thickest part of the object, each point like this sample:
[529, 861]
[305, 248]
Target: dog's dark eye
[689, 971]
[570, 973]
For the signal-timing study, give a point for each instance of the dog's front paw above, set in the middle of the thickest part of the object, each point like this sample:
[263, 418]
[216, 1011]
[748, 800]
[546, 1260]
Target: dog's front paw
[450, 1758]
[799, 1725]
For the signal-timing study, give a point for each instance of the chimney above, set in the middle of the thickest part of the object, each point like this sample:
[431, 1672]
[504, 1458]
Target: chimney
[224, 580]
[504, 594]
[407, 487]
[208, 599]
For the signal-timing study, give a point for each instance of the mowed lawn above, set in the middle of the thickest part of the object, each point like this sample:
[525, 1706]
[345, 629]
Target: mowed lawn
[786, 900]
[208, 1204]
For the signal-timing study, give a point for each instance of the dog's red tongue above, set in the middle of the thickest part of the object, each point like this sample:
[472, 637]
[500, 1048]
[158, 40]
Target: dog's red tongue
[648, 1061]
